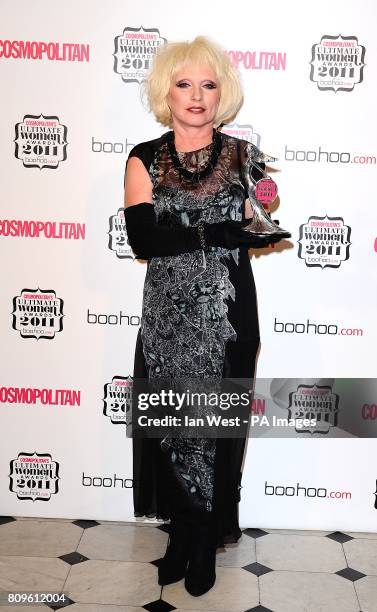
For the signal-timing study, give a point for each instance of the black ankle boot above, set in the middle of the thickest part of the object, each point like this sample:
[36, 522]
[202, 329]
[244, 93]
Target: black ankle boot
[173, 566]
[201, 572]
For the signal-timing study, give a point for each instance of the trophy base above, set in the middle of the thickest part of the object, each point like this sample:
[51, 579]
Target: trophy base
[274, 234]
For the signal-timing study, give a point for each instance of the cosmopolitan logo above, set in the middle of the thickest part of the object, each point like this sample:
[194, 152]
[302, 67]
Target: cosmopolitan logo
[107, 482]
[244, 132]
[369, 412]
[322, 329]
[54, 51]
[112, 319]
[258, 60]
[135, 49]
[299, 491]
[333, 157]
[41, 142]
[258, 406]
[324, 242]
[37, 313]
[118, 242]
[337, 63]
[34, 476]
[49, 397]
[117, 399]
[66, 230]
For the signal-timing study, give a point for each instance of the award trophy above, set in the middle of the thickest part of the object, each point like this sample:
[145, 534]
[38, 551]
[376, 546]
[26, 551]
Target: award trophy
[262, 191]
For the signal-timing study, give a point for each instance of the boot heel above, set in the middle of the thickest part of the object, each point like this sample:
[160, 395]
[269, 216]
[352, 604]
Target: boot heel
[173, 565]
[201, 572]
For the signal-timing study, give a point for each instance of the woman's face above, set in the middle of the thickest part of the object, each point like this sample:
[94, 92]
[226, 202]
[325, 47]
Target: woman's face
[194, 96]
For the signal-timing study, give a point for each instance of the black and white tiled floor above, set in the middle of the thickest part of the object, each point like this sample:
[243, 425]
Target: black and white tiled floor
[112, 567]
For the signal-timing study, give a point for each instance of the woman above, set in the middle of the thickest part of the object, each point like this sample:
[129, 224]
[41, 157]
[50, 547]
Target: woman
[187, 196]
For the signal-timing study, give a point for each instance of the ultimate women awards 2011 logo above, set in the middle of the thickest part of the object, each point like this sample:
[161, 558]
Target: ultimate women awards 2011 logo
[41, 141]
[117, 399]
[118, 241]
[324, 242]
[134, 51]
[37, 313]
[34, 476]
[337, 63]
[243, 132]
[308, 399]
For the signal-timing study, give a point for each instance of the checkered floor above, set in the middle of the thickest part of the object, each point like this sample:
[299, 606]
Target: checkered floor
[112, 567]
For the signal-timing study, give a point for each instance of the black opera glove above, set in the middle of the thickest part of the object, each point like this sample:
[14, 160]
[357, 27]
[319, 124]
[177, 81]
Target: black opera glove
[231, 235]
[149, 239]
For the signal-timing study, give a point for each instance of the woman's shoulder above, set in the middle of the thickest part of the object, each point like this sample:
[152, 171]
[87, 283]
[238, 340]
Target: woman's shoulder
[145, 151]
[247, 148]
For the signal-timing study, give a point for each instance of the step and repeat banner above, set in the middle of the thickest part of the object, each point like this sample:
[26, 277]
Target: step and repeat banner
[71, 297]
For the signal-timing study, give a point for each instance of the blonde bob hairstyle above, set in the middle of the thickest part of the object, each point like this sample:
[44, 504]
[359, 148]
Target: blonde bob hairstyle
[171, 57]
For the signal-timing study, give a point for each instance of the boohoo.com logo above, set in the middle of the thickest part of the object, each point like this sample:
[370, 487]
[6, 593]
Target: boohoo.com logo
[134, 51]
[41, 142]
[118, 241]
[34, 476]
[37, 313]
[337, 63]
[322, 329]
[324, 242]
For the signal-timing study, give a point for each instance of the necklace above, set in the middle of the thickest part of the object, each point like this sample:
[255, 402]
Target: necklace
[197, 175]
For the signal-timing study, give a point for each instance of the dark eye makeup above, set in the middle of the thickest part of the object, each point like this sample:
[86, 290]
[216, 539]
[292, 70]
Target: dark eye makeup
[208, 85]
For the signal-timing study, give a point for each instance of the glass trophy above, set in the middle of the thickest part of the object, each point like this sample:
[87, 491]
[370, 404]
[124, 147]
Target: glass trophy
[262, 192]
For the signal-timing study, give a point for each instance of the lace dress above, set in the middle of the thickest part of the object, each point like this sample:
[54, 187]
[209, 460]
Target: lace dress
[199, 319]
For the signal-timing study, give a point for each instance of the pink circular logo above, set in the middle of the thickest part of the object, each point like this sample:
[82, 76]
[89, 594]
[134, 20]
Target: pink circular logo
[266, 190]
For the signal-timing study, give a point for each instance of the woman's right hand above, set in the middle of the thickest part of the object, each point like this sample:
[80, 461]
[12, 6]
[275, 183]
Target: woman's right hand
[231, 235]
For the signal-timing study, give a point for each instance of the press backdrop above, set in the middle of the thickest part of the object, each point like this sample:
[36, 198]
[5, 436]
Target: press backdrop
[72, 292]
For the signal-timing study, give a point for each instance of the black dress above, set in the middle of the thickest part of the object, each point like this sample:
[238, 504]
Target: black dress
[199, 319]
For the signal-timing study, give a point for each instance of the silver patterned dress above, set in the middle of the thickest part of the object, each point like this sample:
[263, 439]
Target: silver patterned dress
[199, 320]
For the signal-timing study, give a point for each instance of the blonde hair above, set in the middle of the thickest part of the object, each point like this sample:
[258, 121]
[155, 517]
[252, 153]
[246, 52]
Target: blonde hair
[171, 57]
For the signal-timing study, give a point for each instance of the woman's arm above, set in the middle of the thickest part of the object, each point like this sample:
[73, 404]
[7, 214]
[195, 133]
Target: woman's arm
[145, 236]
[149, 239]
[138, 185]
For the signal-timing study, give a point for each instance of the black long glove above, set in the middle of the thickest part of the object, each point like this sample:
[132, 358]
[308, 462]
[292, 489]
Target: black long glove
[148, 239]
